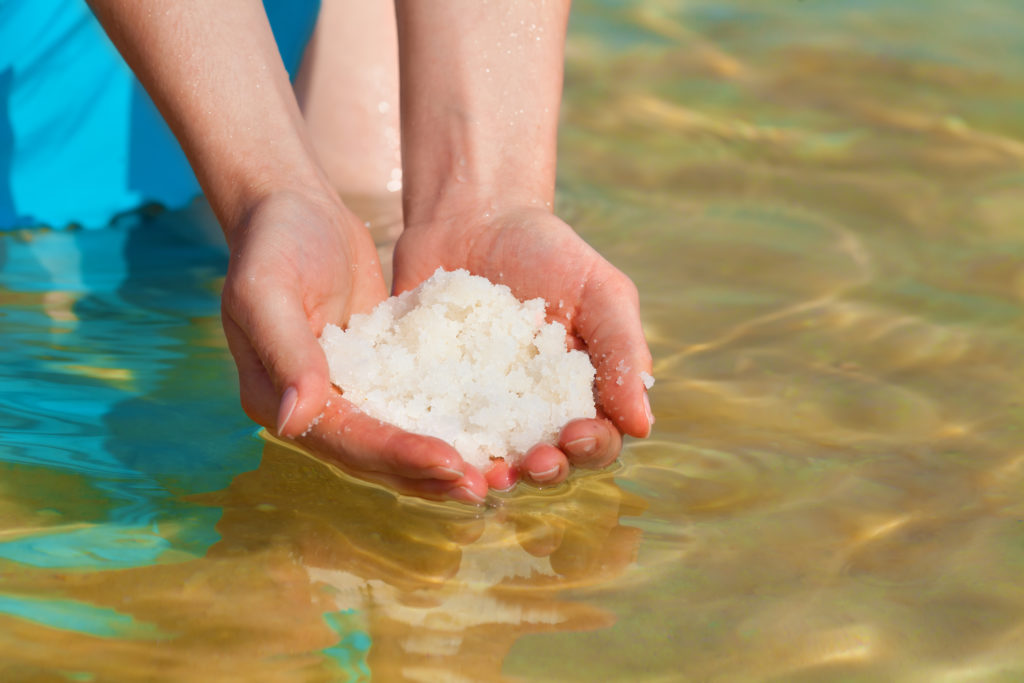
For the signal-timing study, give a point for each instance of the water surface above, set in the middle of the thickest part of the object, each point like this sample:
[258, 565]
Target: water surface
[822, 205]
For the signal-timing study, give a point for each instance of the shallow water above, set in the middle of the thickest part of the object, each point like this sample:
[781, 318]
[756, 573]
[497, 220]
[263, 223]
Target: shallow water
[821, 203]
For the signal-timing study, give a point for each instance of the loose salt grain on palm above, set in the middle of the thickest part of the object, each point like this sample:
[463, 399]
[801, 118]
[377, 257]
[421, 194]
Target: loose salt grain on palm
[462, 359]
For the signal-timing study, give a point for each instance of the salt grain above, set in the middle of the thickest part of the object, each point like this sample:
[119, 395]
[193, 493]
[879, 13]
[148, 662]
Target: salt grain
[459, 358]
[313, 424]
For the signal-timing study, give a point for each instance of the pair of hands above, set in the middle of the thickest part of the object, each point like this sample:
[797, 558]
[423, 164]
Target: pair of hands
[477, 124]
[299, 261]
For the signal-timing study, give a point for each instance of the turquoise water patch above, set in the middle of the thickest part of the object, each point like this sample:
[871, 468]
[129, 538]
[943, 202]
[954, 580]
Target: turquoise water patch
[350, 652]
[70, 615]
[105, 546]
[103, 396]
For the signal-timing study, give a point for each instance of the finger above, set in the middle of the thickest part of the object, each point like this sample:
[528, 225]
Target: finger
[539, 535]
[545, 465]
[609, 323]
[501, 476]
[467, 530]
[355, 455]
[598, 555]
[467, 490]
[345, 434]
[590, 443]
[278, 329]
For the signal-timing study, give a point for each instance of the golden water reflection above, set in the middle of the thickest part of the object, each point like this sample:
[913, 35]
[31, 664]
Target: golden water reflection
[435, 590]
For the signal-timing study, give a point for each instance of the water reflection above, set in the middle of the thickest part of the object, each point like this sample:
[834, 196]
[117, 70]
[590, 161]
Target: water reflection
[314, 571]
[443, 591]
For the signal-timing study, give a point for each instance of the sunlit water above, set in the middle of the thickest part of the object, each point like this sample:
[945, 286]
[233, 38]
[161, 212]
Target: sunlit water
[822, 203]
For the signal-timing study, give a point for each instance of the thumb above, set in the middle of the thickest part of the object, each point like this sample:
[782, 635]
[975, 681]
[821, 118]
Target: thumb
[280, 334]
[609, 323]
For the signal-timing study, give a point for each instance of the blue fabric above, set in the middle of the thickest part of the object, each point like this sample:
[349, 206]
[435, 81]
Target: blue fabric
[80, 141]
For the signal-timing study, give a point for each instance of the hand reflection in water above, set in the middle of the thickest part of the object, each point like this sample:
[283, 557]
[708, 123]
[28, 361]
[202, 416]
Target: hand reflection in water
[437, 588]
[315, 571]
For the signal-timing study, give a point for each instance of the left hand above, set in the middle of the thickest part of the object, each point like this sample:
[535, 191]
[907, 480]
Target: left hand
[538, 255]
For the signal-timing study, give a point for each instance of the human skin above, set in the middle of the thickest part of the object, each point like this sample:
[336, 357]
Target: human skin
[479, 179]
[347, 88]
[481, 86]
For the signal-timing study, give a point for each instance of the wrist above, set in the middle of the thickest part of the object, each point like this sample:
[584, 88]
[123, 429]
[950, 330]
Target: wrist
[214, 72]
[479, 126]
[260, 193]
[453, 199]
[468, 164]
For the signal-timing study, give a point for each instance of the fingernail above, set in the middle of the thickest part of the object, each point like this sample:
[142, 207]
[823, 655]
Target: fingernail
[511, 484]
[647, 408]
[583, 446]
[546, 475]
[464, 495]
[440, 472]
[289, 400]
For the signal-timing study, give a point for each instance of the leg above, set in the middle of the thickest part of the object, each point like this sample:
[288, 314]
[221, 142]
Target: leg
[347, 88]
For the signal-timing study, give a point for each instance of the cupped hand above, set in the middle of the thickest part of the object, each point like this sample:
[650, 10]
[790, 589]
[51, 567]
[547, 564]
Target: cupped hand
[299, 261]
[537, 255]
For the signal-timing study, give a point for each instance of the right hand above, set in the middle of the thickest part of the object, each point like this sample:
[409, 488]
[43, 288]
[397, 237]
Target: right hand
[300, 261]
[536, 254]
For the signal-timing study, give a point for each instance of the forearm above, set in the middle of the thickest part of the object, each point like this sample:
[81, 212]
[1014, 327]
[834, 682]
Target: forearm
[481, 85]
[213, 70]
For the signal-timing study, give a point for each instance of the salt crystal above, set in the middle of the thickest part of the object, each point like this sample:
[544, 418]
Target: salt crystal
[647, 380]
[459, 358]
[311, 425]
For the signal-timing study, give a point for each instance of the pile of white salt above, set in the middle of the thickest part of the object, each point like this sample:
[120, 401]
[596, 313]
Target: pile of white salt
[462, 359]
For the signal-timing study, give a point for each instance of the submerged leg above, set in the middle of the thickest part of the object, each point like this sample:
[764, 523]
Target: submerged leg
[347, 88]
